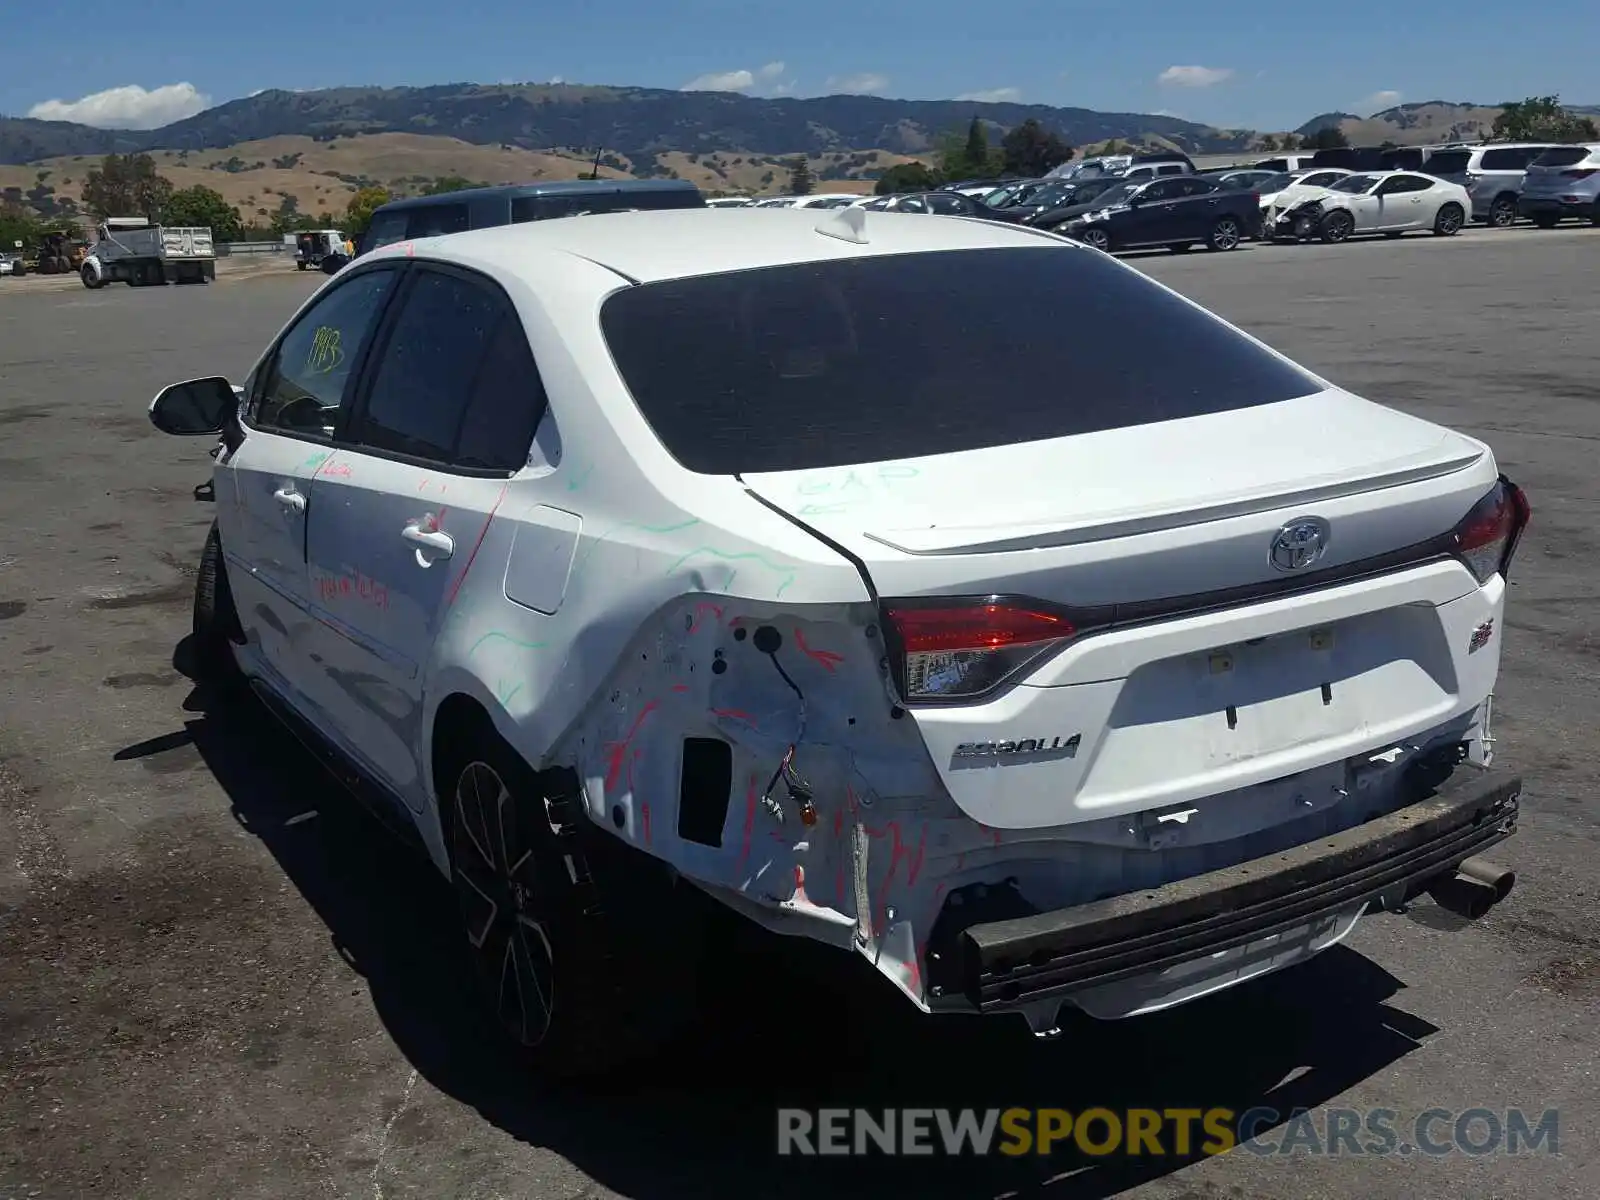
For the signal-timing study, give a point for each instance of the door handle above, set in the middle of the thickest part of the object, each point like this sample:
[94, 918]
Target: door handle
[441, 544]
[290, 499]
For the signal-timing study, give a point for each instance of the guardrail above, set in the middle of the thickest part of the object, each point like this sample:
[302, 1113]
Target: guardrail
[227, 249]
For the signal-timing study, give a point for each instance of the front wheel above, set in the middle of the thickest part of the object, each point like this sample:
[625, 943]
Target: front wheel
[1449, 221]
[585, 963]
[90, 279]
[1225, 235]
[216, 621]
[1337, 227]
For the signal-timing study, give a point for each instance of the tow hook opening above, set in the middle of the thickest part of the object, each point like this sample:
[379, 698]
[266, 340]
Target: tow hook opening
[1476, 886]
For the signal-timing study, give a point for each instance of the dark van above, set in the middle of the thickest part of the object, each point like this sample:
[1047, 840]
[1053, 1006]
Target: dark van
[1352, 158]
[512, 204]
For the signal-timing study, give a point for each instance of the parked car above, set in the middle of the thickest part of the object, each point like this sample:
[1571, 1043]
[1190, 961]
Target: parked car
[1491, 174]
[946, 204]
[1248, 179]
[1279, 188]
[1175, 213]
[667, 556]
[1065, 199]
[1284, 163]
[1019, 192]
[730, 202]
[1392, 203]
[1129, 166]
[826, 200]
[513, 204]
[1562, 183]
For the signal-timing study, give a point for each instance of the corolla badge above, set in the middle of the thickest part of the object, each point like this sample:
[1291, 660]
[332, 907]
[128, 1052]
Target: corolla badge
[1299, 543]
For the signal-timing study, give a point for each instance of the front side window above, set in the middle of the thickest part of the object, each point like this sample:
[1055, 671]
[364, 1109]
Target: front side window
[891, 356]
[306, 380]
[434, 220]
[455, 382]
[1356, 185]
[386, 229]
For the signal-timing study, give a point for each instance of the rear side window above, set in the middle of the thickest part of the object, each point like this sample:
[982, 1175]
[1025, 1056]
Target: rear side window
[1516, 159]
[1562, 156]
[455, 383]
[895, 356]
[434, 220]
[1448, 162]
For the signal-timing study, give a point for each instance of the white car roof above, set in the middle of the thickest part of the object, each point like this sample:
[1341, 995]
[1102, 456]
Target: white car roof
[677, 243]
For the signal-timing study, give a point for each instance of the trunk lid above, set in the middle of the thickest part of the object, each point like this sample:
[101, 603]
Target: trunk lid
[1129, 514]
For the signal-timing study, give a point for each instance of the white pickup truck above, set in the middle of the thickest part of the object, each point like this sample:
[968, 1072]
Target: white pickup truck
[138, 252]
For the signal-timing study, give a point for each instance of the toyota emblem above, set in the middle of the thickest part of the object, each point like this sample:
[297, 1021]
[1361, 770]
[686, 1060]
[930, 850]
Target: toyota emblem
[1299, 544]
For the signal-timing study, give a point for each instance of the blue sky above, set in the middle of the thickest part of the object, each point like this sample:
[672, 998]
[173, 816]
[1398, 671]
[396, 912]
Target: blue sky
[1255, 65]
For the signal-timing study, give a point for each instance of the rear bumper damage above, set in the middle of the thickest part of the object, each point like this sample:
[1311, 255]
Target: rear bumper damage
[1309, 896]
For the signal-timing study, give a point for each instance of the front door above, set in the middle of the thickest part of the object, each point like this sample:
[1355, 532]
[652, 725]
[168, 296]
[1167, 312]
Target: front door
[445, 419]
[1154, 219]
[1403, 207]
[264, 495]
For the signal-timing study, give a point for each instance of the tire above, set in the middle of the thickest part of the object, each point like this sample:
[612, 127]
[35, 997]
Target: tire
[1097, 238]
[1449, 220]
[574, 936]
[1336, 227]
[1503, 212]
[216, 621]
[300, 266]
[90, 280]
[1546, 220]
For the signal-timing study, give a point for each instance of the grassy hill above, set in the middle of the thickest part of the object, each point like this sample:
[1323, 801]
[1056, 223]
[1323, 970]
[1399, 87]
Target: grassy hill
[1420, 124]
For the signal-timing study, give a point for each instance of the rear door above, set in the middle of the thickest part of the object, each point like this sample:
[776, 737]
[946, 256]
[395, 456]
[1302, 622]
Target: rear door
[295, 405]
[448, 409]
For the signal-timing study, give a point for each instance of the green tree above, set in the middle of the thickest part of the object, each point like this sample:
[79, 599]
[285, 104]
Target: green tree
[1329, 137]
[1542, 119]
[202, 206]
[1290, 142]
[906, 177]
[126, 185]
[1269, 143]
[1031, 149]
[977, 149]
[800, 179]
[449, 183]
[358, 214]
[17, 224]
[967, 155]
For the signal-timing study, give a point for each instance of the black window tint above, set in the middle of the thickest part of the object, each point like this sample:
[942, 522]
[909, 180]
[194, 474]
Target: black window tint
[862, 360]
[508, 401]
[1506, 160]
[1196, 186]
[913, 204]
[1448, 162]
[1162, 189]
[306, 380]
[386, 229]
[1562, 156]
[950, 205]
[428, 367]
[433, 220]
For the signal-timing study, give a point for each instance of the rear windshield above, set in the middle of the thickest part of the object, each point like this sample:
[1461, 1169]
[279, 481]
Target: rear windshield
[1448, 162]
[896, 356]
[1562, 156]
[542, 208]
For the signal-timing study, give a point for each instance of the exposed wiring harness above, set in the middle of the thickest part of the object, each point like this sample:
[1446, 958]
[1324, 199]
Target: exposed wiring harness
[797, 786]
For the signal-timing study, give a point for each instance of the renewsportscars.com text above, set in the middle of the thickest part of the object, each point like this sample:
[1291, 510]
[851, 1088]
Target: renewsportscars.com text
[1177, 1132]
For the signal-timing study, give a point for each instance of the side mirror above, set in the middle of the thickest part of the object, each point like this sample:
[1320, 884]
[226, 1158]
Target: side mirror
[195, 408]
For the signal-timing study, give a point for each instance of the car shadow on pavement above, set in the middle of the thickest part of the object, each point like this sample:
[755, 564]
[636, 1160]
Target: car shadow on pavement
[787, 1024]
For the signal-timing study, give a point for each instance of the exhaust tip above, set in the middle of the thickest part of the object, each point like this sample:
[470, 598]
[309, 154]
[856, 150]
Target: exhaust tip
[1476, 886]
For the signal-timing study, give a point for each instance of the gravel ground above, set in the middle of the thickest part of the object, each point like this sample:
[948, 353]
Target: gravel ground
[217, 980]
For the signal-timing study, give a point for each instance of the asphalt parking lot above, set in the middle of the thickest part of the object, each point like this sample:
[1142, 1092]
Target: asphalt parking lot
[216, 979]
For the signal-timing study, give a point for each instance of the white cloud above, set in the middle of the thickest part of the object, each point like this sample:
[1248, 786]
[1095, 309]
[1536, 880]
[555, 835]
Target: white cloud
[1008, 95]
[720, 81]
[867, 83]
[1195, 77]
[1378, 101]
[128, 107]
[773, 70]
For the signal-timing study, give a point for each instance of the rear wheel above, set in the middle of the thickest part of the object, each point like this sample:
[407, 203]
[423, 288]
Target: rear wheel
[1449, 220]
[1337, 226]
[584, 953]
[1503, 212]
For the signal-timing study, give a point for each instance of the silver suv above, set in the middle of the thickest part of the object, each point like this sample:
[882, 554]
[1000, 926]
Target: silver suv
[1562, 182]
[1492, 175]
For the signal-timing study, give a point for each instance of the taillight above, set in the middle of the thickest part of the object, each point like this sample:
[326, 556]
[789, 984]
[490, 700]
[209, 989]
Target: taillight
[958, 649]
[1487, 536]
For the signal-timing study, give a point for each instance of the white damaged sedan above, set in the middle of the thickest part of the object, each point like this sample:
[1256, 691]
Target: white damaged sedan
[1392, 203]
[816, 566]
